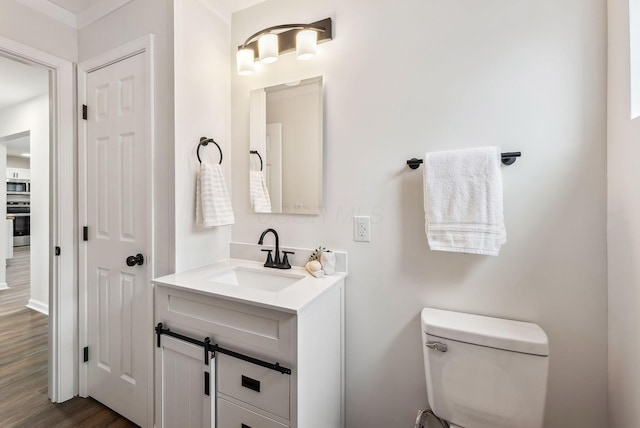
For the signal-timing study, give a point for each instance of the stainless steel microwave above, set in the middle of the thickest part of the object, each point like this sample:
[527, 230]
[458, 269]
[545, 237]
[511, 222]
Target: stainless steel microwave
[18, 186]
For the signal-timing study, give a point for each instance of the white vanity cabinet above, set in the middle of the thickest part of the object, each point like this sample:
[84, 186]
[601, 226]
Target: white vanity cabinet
[307, 338]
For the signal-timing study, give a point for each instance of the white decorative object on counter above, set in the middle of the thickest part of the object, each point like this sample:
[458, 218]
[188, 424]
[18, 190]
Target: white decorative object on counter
[328, 262]
[314, 268]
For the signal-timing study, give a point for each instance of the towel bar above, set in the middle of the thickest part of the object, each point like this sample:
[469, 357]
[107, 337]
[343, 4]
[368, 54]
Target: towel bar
[507, 159]
[205, 141]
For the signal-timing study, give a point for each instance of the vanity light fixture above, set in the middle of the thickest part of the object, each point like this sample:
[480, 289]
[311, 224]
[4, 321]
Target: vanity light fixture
[267, 44]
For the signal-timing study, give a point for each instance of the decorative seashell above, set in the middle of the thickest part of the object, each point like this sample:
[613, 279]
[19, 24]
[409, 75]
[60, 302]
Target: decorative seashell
[313, 266]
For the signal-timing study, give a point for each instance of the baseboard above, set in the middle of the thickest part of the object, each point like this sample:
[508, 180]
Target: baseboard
[38, 306]
[4, 286]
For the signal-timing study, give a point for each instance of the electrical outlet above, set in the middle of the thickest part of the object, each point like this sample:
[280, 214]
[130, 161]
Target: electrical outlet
[362, 228]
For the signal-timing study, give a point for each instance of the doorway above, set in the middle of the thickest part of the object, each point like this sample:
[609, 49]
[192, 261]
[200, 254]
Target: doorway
[60, 278]
[25, 142]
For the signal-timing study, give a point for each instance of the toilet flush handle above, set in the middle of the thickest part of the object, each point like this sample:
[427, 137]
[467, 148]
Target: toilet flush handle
[437, 346]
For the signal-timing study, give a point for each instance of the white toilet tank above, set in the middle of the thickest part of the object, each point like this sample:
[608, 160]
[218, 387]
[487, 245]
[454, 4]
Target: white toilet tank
[485, 372]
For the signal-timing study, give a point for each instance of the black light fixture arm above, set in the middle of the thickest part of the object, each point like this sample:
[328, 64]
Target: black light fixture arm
[287, 36]
[269, 30]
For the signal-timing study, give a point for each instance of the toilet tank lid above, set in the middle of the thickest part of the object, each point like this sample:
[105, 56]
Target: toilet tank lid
[517, 336]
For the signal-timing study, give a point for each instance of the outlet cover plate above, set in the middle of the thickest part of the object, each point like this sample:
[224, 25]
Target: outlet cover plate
[362, 228]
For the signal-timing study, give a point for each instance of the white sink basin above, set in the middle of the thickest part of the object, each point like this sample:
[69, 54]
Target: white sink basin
[255, 279]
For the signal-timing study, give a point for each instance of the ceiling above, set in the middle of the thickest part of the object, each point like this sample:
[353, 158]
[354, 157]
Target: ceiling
[20, 82]
[75, 6]
[17, 144]
[80, 13]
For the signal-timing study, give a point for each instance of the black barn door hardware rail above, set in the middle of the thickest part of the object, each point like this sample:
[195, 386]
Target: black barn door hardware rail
[213, 347]
[507, 159]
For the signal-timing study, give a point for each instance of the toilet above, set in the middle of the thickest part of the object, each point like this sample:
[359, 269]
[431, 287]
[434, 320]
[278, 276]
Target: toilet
[484, 372]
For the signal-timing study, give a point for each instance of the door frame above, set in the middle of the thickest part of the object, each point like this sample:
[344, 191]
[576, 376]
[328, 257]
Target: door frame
[62, 366]
[141, 46]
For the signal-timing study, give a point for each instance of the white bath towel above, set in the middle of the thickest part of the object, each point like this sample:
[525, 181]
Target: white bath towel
[259, 193]
[463, 201]
[213, 206]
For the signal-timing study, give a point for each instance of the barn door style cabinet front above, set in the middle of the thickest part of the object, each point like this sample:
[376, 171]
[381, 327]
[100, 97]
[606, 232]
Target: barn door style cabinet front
[224, 363]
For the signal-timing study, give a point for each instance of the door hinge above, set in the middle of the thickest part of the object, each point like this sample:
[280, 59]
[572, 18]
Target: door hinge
[84, 111]
[85, 354]
[57, 251]
[85, 233]
[206, 383]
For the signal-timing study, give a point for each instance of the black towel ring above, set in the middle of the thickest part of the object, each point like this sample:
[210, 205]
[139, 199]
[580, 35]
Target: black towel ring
[255, 152]
[203, 142]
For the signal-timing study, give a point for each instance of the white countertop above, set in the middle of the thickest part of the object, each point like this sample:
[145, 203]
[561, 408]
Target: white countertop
[291, 299]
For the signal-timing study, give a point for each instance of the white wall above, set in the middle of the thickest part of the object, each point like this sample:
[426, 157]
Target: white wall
[18, 162]
[403, 78]
[202, 100]
[623, 228]
[24, 25]
[128, 23]
[33, 116]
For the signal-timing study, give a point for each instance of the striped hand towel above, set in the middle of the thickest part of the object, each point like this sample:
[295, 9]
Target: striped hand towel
[259, 193]
[213, 206]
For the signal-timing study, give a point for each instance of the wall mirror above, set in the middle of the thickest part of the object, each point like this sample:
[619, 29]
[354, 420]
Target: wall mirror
[285, 149]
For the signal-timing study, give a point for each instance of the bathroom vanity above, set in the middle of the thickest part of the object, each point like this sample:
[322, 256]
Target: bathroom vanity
[241, 345]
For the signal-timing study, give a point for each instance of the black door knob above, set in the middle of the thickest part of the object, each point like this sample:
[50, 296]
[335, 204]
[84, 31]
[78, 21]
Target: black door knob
[138, 259]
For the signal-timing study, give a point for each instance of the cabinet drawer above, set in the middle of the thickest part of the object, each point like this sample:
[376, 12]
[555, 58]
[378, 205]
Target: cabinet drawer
[235, 325]
[233, 416]
[261, 387]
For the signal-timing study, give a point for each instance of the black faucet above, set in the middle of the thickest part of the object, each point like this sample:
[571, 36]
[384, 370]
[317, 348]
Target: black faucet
[275, 263]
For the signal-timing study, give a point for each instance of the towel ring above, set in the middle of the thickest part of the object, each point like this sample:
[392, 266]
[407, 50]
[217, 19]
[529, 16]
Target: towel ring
[255, 152]
[205, 141]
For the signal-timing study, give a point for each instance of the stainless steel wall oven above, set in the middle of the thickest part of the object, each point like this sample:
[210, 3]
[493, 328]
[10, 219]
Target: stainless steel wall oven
[19, 207]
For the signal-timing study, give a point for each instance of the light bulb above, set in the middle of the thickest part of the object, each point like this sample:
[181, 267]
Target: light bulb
[306, 44]
[268, 48]
[244, 61]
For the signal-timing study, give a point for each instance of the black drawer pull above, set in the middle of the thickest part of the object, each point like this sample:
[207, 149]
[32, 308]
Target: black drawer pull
[252, 384]
[245, 426]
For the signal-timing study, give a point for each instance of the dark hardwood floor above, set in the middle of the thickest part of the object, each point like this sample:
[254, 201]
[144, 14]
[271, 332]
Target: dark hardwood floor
[23, 365]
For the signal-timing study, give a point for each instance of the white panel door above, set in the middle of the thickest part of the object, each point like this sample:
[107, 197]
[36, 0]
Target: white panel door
[117, 294]
[180, 372]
